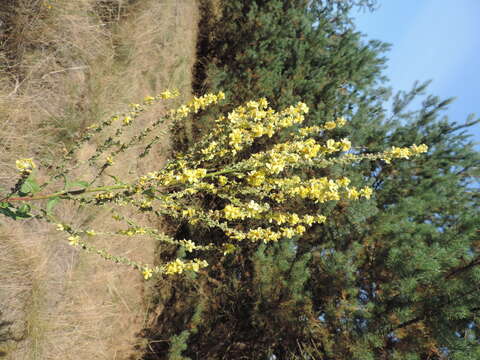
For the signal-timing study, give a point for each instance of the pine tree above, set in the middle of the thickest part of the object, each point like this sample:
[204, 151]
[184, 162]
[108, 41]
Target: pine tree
[405, 266]
[289, 51]
[395, 277]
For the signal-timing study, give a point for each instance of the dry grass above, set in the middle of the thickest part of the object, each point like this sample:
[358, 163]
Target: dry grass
[64, 68]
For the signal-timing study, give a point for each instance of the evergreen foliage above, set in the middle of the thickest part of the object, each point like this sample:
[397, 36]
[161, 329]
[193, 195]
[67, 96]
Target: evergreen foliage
[288, 51]
[394, 277]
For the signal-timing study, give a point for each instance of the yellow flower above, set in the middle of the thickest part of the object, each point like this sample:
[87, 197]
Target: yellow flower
[232, 212]
[352, 193]
[321, 219]
[341, 121]
[288, 232]
[345, 144]
[222, 180]
[276, 164]
[293, 219]
[167, 94]
[174, 267]
[127, 120]
[188, 212]
[387, 159]
[256, 178]
[331, 145]
[189, 245]
[329, 125]
[367, 192]
[147, 273]
[229, 249]
[60, 227]
[258, 130]
[193, 266]
[279, 218]
[263, 103]
[252, 104]
[191, 175]
[400, 152]
[236, 138]
[300, 229]
[25, 165]
[74, 240]
[145, 204]
[303, 107]
[196, 264]
[343, 181]
[183, 111]
[419, 149]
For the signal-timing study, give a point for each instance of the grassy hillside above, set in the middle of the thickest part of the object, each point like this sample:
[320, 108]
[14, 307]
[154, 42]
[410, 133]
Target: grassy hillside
[63, 66]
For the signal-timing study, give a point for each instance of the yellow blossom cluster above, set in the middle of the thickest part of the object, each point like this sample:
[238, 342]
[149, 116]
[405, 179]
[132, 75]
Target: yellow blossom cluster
[269, 234]
[281, 218]
[329, 125]
[132, 231]
[147, 273]
[258, 196]
[242, 126]
[197, 104]
[25, 165]
[260, 180]
[282, 155]
[191, 175]
[74, 240]
[104, 195]
[109, 160]
[261, 175]
[404, 153]
[178, 266]
[251, 210]
[255, 120]
[188, 245]
[322, 189]
[174, 267]
[297, 225]
[167, 94]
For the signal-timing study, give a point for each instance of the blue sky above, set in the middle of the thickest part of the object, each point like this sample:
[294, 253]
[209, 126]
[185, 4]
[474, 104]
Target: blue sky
[432, 39]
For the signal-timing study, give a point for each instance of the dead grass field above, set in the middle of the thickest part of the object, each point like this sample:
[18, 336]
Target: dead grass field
[64, 65]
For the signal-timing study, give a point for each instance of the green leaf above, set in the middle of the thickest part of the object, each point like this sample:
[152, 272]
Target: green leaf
[23, 209]
[117, 181]
[11, 211]
[6, 209]
[149, 192]
[8, 213]
[30, 186]
[5, 204]
[51, 203]
[78, 184]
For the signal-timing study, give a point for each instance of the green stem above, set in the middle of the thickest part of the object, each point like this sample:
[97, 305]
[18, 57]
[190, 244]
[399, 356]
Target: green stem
[101, 188]
[68, 192]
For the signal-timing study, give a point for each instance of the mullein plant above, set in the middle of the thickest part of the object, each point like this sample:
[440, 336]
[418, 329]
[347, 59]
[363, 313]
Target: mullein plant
[258, 194]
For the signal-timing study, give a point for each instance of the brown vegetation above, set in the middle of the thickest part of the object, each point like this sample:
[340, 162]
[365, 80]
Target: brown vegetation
[64, 65]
